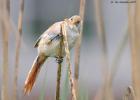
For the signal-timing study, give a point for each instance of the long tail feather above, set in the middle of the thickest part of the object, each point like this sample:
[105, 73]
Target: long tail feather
[33, 73]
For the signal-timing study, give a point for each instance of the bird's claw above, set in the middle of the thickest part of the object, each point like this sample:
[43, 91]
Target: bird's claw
[59, 60]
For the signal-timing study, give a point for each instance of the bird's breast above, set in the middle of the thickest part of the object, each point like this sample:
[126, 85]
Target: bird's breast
[72, 37]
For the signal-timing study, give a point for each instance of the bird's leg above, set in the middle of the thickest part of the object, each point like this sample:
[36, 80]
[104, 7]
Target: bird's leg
[59, 59]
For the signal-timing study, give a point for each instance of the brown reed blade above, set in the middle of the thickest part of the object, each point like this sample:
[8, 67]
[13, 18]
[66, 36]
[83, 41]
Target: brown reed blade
[18, 46]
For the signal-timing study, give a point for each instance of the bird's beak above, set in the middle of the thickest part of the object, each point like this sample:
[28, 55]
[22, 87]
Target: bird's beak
[77, 22]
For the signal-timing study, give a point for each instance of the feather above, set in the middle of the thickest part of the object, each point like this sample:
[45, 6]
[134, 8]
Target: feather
[33, 73]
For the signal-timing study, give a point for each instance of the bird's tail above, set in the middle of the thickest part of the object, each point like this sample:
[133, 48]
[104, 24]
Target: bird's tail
[32, 75]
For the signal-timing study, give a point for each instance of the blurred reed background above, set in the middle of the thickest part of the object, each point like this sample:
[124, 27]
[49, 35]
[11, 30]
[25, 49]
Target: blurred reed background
[105, 62]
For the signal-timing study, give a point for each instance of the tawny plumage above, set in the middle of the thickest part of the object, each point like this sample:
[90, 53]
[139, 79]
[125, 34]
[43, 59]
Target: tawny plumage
[48, 46]
[35, 69]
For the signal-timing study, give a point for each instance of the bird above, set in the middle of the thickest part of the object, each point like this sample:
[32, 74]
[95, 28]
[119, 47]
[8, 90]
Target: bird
[48, 45]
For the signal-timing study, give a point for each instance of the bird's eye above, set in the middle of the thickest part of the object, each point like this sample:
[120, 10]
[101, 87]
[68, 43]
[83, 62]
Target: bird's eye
[71, 19]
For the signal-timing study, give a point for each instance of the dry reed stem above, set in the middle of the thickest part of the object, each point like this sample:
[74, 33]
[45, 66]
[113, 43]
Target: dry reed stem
[18, 46]
[58, 81]
[78, 45]
[68, 60]
[135, 46]
[4, 21]
[59, 71]
[106, 91]
[129, 94]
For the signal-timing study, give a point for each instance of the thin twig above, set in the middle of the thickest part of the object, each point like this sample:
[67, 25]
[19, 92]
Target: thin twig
[18, 45]
[4, 21]
[68, 60]
[78, 45]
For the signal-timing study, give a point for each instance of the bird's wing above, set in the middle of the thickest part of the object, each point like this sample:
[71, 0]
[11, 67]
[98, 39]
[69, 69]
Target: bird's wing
[37, 42]
[53, 33]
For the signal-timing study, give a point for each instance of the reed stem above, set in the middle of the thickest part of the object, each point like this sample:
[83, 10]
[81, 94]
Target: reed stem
[4, 21]
[58, 82]
[59, 72]
[78, 45]
[65, 41]
[18, 46]
[135, 46]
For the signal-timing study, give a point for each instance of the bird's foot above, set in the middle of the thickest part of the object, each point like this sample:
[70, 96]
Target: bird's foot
[59, 60]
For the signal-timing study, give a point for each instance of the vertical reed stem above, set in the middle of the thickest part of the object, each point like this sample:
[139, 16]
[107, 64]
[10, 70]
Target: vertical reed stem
[4, 21]
[58, 82]
[59, 72]
[68, 61]
[135, 47]
[78, 46]
[18, 46]
[5, 65]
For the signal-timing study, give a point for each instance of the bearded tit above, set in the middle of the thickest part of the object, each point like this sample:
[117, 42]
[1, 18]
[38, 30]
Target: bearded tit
[48, 45]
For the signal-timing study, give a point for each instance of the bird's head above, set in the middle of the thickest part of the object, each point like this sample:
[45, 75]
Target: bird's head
[75, 20]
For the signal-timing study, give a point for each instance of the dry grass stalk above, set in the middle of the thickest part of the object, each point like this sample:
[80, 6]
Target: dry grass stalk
[78, 45]
[68, 60]
[58, 81]
[135, 46]
[18, 45]
[59, 72]
[129, 94]
[106, 91]
[4, 22]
